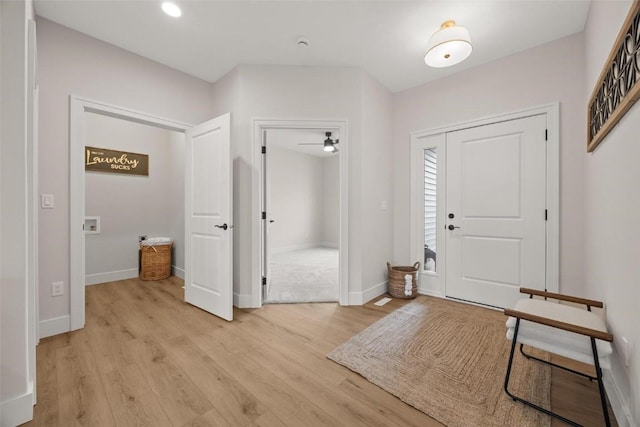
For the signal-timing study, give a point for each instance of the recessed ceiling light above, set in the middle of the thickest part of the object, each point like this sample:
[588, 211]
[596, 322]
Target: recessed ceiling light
[302, 42]
[171, 9]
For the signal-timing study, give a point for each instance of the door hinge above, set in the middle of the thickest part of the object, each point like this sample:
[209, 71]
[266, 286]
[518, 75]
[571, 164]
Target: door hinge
[545, 214]
[264, 149]
[264, 281]
[264, 215]
[546, 134]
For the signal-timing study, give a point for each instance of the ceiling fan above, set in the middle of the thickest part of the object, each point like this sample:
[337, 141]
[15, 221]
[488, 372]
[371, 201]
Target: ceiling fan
[329, 145]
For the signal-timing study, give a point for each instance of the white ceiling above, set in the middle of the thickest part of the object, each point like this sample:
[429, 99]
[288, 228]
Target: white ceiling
[385, 38]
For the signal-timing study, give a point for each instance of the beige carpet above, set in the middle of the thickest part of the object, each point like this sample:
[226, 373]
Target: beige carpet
[448, 360]
[304, 275]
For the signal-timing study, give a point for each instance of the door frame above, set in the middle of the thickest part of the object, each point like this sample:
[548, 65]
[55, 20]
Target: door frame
[79, 106]
[257, 193]
[552, 112]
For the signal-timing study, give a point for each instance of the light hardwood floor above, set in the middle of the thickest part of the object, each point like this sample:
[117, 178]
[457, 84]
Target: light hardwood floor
[145, 358]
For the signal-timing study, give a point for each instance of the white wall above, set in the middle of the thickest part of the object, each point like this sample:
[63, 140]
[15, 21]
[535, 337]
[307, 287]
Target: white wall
[296, 202]
[132, 205]
[73, 63]
[304, 93]
[376, 192]
[612, 208]
[274, 92]
[331, 201]
[542, 75]
[17, 331]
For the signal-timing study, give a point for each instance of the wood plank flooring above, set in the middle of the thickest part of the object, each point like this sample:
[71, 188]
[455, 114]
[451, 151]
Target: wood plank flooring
[145, 358]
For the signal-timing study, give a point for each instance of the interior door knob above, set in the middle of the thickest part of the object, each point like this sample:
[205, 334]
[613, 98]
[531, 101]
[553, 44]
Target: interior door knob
[223, 226]
[272, 220]
[451, 227]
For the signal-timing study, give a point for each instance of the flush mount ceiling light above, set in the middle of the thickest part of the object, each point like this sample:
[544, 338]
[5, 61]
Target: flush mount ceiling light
[171, 9]
[450, 45]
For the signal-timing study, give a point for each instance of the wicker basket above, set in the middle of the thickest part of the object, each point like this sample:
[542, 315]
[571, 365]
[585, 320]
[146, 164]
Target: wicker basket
[155, 261]
[397, 282]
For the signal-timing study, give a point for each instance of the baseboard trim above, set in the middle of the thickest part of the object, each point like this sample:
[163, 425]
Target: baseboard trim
[330, 245]
[18, 410]
[619, 406]
[55, 326]
[430, 293]
[177, 271]
[243, 300]
[110, 276]
[361, 298]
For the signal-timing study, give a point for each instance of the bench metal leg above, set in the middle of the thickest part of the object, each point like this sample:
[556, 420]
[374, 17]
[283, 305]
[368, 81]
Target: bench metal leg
[603, 397]
[544, 410]
[555, 365]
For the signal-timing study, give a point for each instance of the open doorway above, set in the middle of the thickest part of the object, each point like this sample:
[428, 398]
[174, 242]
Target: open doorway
[137, 198]
[208, 211]
[311, 136]
[81, 110]
[302, 205]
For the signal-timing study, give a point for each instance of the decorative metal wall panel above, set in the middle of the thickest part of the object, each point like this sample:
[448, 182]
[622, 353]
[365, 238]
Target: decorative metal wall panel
[618, 87]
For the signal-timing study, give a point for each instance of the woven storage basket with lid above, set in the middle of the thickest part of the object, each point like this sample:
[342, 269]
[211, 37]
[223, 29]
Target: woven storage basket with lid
[397, 280]
[155, 258]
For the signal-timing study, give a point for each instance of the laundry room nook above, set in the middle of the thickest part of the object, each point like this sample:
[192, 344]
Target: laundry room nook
[126, 207]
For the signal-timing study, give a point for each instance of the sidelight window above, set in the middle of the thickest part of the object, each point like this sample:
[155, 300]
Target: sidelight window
[430, 208]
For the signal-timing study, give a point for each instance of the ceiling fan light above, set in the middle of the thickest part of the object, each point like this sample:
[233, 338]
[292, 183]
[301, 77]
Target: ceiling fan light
[448, 46]
[328, 146]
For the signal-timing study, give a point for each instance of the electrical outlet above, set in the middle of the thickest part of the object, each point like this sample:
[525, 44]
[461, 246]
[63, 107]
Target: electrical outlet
[57, 289]
[626, 351]
[142, 238]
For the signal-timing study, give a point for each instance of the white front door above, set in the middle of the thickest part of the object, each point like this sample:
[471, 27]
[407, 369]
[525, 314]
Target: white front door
[495, 211]
[208, 218]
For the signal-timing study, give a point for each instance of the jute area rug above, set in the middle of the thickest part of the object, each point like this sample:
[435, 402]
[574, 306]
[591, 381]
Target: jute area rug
[449, 360]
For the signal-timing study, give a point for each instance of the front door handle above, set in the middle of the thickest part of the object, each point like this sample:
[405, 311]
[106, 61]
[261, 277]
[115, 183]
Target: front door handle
[451, 227]
[223, 226]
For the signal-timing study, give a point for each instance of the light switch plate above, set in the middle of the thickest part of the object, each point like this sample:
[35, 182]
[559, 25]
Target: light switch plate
[626, 351]
[46, 201]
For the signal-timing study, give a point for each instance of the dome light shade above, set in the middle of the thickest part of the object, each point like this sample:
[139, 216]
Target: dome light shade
[450, 45]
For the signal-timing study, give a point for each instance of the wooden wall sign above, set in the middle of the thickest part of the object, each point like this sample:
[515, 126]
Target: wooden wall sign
[618, 86]
[114, 161]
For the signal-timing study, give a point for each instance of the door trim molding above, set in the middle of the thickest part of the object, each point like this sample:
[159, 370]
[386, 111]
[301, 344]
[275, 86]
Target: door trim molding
[552, 112]
[79, 106]
[259, 126]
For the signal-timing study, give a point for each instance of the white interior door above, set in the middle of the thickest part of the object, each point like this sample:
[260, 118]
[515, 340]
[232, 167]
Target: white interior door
[495, 225]
[208, 216]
